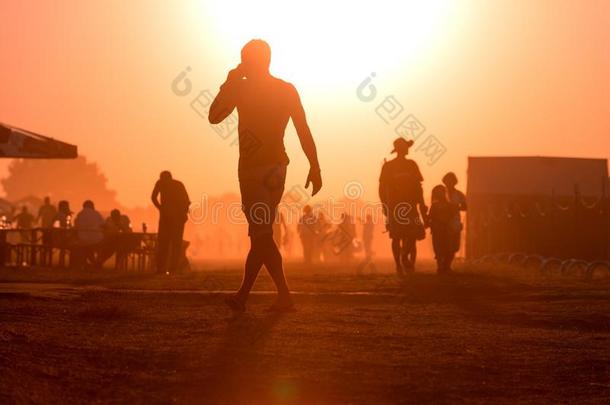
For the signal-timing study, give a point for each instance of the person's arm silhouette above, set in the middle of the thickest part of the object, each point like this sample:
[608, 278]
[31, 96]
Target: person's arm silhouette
[185, 198]
[307, 143]
[421, 203]
[383, 189]
[155, 196]
[224, 103]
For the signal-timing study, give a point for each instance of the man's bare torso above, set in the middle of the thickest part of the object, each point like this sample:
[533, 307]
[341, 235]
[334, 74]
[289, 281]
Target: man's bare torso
[264, 107]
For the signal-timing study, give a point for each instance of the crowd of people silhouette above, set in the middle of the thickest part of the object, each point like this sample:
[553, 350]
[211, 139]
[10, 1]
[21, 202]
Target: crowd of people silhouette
[93, 241]
[265, 105]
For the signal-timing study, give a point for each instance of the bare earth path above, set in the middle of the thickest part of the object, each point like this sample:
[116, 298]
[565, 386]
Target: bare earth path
[475, 337]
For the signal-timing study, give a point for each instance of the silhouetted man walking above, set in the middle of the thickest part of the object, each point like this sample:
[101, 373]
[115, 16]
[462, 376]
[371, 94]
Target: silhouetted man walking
[265, 104]
[173, 212]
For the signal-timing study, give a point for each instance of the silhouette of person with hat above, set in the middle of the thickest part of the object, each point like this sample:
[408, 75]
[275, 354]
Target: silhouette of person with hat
[401, 195]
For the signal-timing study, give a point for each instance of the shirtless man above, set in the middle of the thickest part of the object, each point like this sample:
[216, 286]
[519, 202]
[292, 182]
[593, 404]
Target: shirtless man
[264, 104]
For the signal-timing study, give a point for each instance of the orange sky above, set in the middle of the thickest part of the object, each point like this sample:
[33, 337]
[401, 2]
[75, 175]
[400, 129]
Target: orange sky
[486, 78]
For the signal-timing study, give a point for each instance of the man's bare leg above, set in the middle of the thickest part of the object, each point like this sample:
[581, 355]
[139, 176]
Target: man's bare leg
[263, 250]
[273, 263]
[254, 262]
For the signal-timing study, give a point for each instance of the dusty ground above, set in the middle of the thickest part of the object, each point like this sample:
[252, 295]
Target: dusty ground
[479, 336]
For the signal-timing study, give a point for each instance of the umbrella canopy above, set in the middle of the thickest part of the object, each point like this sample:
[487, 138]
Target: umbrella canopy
[19, 143]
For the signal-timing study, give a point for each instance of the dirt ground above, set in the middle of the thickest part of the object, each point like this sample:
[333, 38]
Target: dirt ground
[478, 336]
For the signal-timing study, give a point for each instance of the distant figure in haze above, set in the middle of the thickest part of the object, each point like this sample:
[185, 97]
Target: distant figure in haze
[172, 201]
[401, 195]
[63, 218]
[279, 229]
[46, 214]
[458, 198]
[344, 238]
[322, 246]
[264, 104]
[25, 222]
[441, 222]
[46, 217]
[24, 219]
[307, 233]
[88, 224]
[368, 230]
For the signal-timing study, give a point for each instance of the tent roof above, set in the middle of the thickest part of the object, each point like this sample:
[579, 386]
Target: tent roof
[20, 143]
[536, 175]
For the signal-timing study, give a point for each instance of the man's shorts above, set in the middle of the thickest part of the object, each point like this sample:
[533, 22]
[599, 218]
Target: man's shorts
[261, 191]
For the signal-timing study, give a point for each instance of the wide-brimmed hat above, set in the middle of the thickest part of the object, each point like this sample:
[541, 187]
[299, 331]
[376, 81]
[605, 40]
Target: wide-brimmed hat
[402, 143]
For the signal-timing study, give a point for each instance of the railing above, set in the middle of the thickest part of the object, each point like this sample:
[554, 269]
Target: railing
[59, 247]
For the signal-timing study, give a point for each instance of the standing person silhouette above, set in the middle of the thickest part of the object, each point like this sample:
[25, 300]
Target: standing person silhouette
[458, 198]
[264, 104]
[401, 196]
[307, 234]
[368, 230]
[173, 212]
[46, 215]
[442, 225]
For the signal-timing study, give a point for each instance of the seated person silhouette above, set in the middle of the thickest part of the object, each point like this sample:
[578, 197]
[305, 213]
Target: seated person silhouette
[264, 104]
[88, 224]
[115, 227]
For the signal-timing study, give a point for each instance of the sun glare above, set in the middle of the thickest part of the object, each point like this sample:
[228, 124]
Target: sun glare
[330, 43]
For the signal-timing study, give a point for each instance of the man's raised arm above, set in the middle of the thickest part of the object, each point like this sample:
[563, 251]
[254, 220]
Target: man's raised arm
[224, 103]
[307, 143]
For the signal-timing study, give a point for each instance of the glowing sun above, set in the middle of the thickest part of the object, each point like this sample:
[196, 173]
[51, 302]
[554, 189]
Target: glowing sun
[330, 43]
